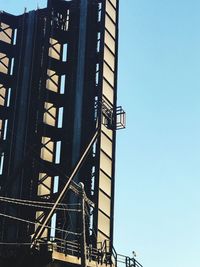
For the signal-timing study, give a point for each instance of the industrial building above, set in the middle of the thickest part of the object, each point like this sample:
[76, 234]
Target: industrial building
[58, 123]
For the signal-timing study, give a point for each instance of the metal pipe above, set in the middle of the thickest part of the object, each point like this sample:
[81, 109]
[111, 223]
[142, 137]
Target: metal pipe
[83, 239]
[40, 230]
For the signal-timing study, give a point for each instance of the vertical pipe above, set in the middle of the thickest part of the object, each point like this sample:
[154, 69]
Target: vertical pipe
[83, 227]
[79, 90]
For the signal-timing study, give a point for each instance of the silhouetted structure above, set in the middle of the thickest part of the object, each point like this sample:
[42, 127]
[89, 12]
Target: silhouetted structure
[58, 91]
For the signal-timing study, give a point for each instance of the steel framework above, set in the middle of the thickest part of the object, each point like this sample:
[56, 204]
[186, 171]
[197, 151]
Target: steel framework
[58, 80]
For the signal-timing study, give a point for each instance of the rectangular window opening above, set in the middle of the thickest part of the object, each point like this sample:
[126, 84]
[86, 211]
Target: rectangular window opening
[56, 183]
[15, 37]
[67, 21]
[97, 78]
[91, 220]
[1, 163]
[98, 35]
[100, 12]
[58, 152]
[92, 185]
[64, 55]
[60, 117]
[5, 129]
[94, 148]
[53, 226]
[8, 97]
[62, 84]
[98, 46]
[97, 73]
[12, 66]
[99, 16]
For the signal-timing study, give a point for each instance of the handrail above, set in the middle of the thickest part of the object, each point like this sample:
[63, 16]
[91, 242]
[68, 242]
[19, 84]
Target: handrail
[129, 262]
[106, 254]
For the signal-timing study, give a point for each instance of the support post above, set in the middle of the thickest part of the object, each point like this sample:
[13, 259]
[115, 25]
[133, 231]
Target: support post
[83, 228]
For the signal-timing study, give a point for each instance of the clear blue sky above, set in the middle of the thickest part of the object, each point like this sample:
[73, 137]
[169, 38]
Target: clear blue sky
[157, 203]
[158, 166]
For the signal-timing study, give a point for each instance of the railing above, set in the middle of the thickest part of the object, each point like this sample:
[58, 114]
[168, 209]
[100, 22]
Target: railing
[127, 261]
[108, 120]
[104, 254]
[73, 248]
